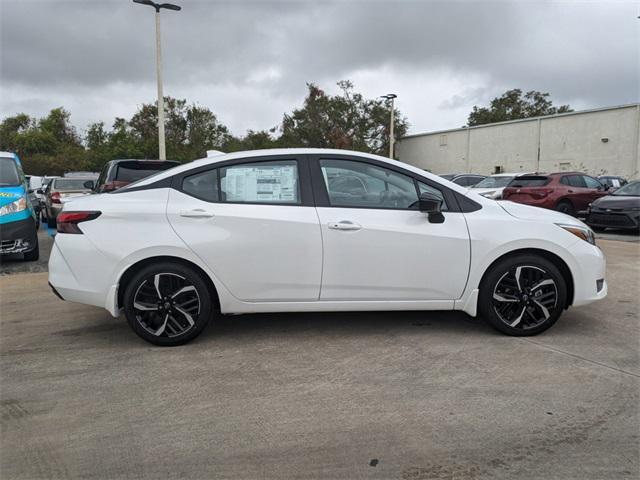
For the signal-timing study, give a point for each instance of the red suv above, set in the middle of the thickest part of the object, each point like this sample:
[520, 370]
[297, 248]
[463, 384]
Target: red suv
[567, 192]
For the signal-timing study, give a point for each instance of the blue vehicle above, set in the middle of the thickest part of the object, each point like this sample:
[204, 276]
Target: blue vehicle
[18, 231]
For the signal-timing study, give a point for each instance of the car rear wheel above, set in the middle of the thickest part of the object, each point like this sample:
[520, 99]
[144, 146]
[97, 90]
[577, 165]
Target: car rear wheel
[167, 304]
[522, 295]
[565, 206]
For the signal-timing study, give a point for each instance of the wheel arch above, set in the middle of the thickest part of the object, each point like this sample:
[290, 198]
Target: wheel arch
[546, 254]
[130, 272]
[565, 200]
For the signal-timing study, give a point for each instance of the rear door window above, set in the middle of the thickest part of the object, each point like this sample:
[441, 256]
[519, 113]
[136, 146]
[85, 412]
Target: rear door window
[577, 181]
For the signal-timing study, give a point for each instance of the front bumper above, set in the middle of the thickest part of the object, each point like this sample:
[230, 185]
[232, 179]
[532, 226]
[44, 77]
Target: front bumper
[19, 236]
[588, 273]
[619, 219]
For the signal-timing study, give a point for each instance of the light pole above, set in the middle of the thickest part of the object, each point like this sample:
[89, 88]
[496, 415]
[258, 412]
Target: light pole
[392, 139]
[169, 6]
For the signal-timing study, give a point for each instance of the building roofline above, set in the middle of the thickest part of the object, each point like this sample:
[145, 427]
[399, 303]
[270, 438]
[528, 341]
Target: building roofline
[522, 120]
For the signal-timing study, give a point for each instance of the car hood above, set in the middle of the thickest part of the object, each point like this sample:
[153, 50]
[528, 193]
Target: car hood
[527, 212]
[617, 202]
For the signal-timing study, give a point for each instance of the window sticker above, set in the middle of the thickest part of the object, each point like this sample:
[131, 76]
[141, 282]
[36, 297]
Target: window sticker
[261, 184]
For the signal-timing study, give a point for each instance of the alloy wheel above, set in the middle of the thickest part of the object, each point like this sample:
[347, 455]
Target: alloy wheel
[166, 305]
[525, 297]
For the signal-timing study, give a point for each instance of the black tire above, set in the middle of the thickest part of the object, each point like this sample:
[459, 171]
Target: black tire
[51, 222]
[43, 216]
[565, 206]
[522, 311]
[167, 319]
[34, 254]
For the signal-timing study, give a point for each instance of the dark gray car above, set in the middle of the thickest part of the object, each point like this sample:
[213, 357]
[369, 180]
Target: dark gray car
[620, 209]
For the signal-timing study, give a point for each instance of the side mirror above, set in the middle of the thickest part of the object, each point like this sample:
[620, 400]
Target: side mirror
[88, 184]
[431, 205]
[606, 187]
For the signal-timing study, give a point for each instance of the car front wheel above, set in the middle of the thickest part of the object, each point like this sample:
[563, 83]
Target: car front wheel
[522, 295]
[167, 304]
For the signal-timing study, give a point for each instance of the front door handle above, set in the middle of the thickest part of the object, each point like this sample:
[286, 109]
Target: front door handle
[344, 225]
[570, 191]
[196, 213]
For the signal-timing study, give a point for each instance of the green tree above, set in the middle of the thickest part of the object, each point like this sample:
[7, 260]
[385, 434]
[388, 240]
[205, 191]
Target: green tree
[346, 121]
[253, 140]
[513, 105]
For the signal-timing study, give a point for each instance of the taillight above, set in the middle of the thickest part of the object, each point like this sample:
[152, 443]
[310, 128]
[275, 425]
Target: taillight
[540, 194]
[68, 221]
[55, 197]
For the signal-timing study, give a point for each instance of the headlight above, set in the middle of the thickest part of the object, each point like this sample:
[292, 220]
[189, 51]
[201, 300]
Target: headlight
[14, 207]
[584, 233]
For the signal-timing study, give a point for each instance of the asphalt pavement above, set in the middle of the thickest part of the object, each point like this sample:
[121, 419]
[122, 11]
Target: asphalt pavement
[388, 395]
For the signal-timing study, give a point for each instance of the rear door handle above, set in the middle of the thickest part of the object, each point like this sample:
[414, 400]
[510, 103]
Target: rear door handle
[570, 191]
[344, 225]
[196, 213]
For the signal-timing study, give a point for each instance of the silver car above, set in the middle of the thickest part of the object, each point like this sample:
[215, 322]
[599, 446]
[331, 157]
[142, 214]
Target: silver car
[62, 190]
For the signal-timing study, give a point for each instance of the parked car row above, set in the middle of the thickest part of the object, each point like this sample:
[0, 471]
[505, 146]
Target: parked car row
[573, 193]
[26, 200]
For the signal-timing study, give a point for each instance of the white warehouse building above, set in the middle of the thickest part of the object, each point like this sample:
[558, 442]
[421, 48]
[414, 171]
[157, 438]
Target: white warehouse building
[598, 142]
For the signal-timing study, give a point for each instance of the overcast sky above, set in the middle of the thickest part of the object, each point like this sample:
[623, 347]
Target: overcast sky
[249, 61]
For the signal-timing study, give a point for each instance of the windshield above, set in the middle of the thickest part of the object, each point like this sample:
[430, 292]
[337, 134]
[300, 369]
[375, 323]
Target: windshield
[134, 171]
[493, 182]
[629, 190]
[150, 174]
[9, 176]
[63, 184]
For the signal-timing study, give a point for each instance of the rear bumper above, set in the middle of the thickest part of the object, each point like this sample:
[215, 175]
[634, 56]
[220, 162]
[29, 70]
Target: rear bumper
[19, 236]
[81, 277]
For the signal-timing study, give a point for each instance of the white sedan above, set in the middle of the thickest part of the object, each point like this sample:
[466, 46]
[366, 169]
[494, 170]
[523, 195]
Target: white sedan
[301, 230]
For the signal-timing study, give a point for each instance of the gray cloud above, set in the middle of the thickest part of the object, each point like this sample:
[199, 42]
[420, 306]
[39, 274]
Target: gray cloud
[249, 61]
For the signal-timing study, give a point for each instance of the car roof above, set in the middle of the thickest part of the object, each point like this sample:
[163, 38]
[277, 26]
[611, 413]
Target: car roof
[269, 152]
[118, 160]
[513, 174]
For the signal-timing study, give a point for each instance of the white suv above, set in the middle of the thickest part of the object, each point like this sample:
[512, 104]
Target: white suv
[316, 230]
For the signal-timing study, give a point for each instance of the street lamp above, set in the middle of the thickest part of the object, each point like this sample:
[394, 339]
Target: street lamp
[392, 139]
[158, 6]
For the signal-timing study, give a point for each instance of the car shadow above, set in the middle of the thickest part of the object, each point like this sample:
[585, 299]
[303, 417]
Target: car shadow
[345, 324]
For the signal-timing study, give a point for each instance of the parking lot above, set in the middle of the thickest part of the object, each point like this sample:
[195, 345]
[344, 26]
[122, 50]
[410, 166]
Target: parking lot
[415, 395]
